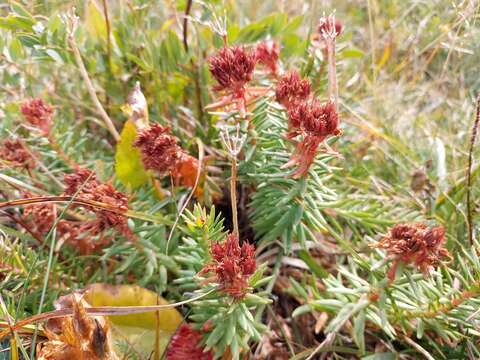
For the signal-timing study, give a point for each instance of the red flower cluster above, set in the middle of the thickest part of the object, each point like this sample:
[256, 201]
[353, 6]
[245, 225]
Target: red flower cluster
[311, 118]
[159, 149]
[232, 67]
[82, 236]
[329, 26]
[160, 152]
[314, 122]
[13, 151]
[415, 244]
[38, 113]
[41, 218]
[306, 117]
[267, 53]
[91, 189]
[186, 345]
[291, 89]
[232, 265]
[42, 215]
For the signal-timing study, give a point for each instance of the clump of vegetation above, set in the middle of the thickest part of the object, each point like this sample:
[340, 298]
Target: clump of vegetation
[203, 180]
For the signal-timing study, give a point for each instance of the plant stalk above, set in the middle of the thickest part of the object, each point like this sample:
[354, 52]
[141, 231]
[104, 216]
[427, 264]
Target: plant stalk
[109, 32]
[91, 89]
[332, 72]
[469, 171]
[185, 24]
[233, 195]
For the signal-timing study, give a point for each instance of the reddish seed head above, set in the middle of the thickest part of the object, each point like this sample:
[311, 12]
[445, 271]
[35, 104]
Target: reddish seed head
[80, 235]
[186, 345]
[38, 113]
[248, 263]
[41, 216]
[233, 265]
[232, 67]
[79, 178]
[291, 89]
[315, 121]
[159, 149]
[329, 27]
[160, 152]
[14, 152]
[85, 237]
[267, 53]
[415, 244]
[88, 188]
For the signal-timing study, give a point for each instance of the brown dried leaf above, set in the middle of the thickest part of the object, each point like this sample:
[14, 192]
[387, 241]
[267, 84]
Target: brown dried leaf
[76, 337]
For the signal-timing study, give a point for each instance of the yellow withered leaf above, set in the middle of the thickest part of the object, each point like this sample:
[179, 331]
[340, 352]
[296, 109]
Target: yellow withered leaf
[95, 21]
[133, 295]
[128, 163]
[137, 330]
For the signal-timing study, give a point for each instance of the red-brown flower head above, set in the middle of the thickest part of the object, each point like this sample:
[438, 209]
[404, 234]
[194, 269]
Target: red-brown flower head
[232, 67]
[329, 27]
[314, 118]
[89, 188]
[186, 345]
[315, 122]
[41, 216]
[267, 53]
[85, 236]
[14, 152]
[415, 244]
[233, 265]
[160, 152]
[291, 89]
[38, 113]
[159, 149]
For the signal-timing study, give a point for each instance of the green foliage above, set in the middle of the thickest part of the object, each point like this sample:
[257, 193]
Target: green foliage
[433, 307]
[201, 228]
[229, 322]
[17, 269]
[283, 207]
[407, 73]
[232, 323]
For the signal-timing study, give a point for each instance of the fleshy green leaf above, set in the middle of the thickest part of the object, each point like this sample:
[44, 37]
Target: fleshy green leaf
[359, 331]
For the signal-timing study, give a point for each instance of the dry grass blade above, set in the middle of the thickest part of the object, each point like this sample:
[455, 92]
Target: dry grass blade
[469, 170]
[197, 178]
[84, 202]
[86, 78]
[98, 311]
